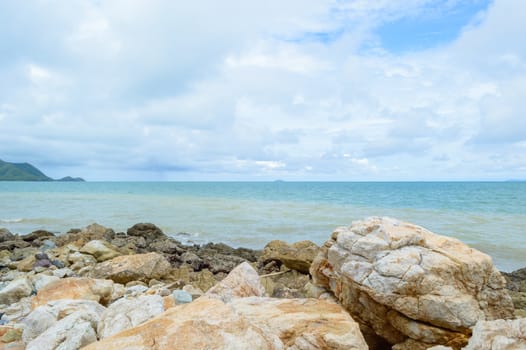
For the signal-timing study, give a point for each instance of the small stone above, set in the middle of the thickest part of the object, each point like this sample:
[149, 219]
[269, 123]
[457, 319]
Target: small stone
[181, 296]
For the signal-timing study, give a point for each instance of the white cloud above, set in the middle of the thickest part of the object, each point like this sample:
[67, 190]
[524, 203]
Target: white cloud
[296, 89]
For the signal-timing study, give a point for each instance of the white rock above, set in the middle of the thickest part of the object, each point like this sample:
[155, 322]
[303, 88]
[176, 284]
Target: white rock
[498, 335]
[47, 316]
[243, 281]
[41, 280]
[15, 290]
[129, 312]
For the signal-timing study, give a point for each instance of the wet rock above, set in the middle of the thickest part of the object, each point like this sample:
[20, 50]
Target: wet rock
[126, 313]
[398, 278]
[166, 246]
[83, 236]
[6, 235]
[37, 235]
[139, 267]
[148, 231]
[298, 256]
[100, 250]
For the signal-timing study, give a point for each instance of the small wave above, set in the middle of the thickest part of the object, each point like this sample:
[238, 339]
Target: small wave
[11, 221]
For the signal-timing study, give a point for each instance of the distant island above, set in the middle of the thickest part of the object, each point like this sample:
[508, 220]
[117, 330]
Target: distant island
[27, 172]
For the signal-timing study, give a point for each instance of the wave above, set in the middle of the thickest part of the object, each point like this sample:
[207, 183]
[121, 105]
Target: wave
[12, 221]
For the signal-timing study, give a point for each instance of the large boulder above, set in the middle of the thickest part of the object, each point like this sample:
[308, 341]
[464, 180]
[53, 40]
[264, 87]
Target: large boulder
[127, 268]
[409, 285]
[244, 323]
[99, 290]
[498, 335]
[129, 312]
[297, 256]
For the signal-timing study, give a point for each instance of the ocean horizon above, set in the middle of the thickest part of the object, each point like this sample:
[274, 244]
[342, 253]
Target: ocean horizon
[487, 215]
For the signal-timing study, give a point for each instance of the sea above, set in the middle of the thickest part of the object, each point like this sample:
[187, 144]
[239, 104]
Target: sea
[489, 216]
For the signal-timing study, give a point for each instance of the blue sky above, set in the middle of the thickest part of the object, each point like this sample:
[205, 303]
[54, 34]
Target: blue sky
[243, 90]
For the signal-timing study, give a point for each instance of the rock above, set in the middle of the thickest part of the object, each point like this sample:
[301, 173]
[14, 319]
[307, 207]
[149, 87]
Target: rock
[498, 335]
[89, 233]
[47, 245]
[26, 264]
[245, 323]
[98, 290]
[193, 291]
[38, 234]
[23, 253]
[221, 263]
[41, 280]
[202, 324]
[148, 231]
[302, 323]
[101, 250]
[139, 267]
[5, 258]
[79, 260]
[243, 281]
[11, 335]
[15, 312]
[15, 290]
[398, 278]
[126, 313]
[193, 260]
[42, 260]
[71, 332]
[166, 246]
[14, 244]
[182, 296]
[516, 280]
[298, 256]
[44, 317]
[131, 244]
[6, 235]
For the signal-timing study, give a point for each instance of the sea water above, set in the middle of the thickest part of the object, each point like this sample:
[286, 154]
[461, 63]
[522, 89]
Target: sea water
[489, 216]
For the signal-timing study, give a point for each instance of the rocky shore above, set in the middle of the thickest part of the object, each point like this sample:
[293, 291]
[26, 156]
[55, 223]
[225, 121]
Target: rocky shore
[378, 284]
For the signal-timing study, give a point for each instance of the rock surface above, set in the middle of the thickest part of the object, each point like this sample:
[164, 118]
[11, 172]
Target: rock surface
[126, 313]
[139, 267]
[97, 290]
[498, 335]
[100, 250]
[298, 256]
[408, 284]
[243, 281]
[15, 290]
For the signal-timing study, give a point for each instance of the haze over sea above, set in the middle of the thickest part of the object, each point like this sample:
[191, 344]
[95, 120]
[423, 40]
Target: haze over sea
[489, 216]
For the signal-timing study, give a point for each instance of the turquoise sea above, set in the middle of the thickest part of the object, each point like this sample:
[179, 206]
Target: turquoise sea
[490, 216]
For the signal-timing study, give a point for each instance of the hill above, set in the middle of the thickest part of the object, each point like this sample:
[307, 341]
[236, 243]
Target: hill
[26, 172]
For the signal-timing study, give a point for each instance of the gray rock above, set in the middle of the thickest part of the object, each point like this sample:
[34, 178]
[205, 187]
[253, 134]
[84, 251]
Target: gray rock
[182, 296]
[148, 231]
[6, 235]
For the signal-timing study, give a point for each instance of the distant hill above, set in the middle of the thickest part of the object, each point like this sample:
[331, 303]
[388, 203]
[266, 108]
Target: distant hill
[26, 172]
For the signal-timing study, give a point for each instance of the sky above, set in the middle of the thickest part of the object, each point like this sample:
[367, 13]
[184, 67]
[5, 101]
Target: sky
[325, 90]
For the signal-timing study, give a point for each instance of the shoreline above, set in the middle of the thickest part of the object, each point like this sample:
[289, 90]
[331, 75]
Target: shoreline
[144, 262]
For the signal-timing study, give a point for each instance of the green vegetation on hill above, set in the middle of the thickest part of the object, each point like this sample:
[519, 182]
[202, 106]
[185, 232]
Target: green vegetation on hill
[25, 172]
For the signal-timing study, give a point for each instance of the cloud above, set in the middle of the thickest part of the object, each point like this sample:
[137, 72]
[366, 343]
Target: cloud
[244, 90]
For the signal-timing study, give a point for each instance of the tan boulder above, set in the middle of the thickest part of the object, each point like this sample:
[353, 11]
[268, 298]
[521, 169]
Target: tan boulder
[409, 284]
[302, 323]
[127, 268]
[98, 290]
[297, 256]
[100, 250]
[242, 281]
[244, 323]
